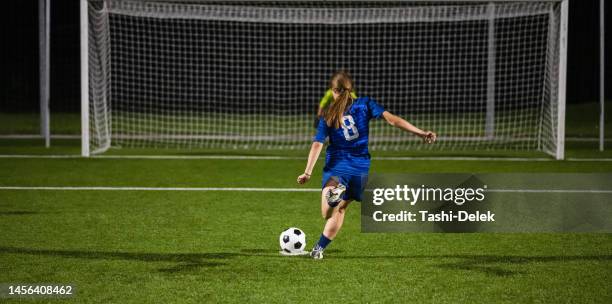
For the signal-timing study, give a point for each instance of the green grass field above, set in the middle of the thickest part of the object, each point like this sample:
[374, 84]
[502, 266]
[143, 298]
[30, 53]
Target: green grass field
[213, 246]
[196, 247]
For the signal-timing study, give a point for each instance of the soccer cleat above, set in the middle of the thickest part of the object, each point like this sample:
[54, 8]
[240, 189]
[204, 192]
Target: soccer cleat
[334, 196]
[317, 253]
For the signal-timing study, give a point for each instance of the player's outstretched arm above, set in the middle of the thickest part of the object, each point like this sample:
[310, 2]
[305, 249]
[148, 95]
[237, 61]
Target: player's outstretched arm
[315, 150]
[398, 122]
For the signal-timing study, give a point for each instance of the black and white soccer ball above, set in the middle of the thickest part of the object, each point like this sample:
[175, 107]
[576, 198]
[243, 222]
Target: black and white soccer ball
[292, 241]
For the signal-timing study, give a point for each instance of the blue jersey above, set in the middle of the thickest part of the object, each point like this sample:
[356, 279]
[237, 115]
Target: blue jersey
[347, 152]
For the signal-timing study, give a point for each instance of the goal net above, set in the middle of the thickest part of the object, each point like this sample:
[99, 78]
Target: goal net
[196, 74]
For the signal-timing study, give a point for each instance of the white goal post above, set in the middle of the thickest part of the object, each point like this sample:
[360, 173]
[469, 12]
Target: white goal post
[485, 75]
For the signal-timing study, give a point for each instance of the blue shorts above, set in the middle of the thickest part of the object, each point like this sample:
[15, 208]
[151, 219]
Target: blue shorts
[355, 184]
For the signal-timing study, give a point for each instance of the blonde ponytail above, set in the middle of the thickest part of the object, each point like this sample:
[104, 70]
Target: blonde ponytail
[333, 113]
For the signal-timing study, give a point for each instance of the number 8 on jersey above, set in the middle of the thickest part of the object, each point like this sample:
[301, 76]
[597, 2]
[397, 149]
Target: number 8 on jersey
[349, 128]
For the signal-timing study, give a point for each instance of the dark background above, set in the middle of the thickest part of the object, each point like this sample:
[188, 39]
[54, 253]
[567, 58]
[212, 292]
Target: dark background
[20, 74]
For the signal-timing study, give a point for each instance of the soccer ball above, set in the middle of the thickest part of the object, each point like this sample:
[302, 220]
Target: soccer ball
[292, 241]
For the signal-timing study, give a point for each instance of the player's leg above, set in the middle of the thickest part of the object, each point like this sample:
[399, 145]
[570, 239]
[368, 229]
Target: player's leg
[334, 223]
[326, 209]
[354, 191]
[331, 194]
[332, 226]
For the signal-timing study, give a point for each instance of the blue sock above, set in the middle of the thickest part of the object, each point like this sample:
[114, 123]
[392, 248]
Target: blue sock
[323, 242]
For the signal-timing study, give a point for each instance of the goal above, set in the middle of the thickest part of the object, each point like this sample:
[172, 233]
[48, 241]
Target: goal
[249, 75]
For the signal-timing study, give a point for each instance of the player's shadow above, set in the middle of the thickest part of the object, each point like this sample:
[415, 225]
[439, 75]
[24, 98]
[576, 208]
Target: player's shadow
[274, 252]
[18, 212]
[184, 261]
[489, 264]
[187, 262]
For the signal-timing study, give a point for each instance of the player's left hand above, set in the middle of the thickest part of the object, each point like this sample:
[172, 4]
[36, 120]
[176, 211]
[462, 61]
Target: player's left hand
[429, 137]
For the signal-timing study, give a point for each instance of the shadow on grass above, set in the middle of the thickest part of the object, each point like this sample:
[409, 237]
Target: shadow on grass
[490, 264]
[18, 212]
[262, 252]
[186, 262]
[494, 265]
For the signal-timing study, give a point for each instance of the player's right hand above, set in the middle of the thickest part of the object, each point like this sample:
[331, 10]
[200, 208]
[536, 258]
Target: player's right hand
[303, 178]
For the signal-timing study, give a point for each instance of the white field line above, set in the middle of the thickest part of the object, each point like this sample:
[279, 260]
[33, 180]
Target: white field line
[589, 159]
[77, 136]
[248, 189]
[262, 157]
[218, 157]
[469, 158]
[595, 191]
[38, 136]
[40, 156]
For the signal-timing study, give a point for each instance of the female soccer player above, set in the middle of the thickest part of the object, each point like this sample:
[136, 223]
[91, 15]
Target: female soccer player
[345, 121]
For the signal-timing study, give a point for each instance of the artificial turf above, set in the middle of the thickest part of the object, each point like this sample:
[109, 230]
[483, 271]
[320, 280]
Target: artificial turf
[197, 247]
